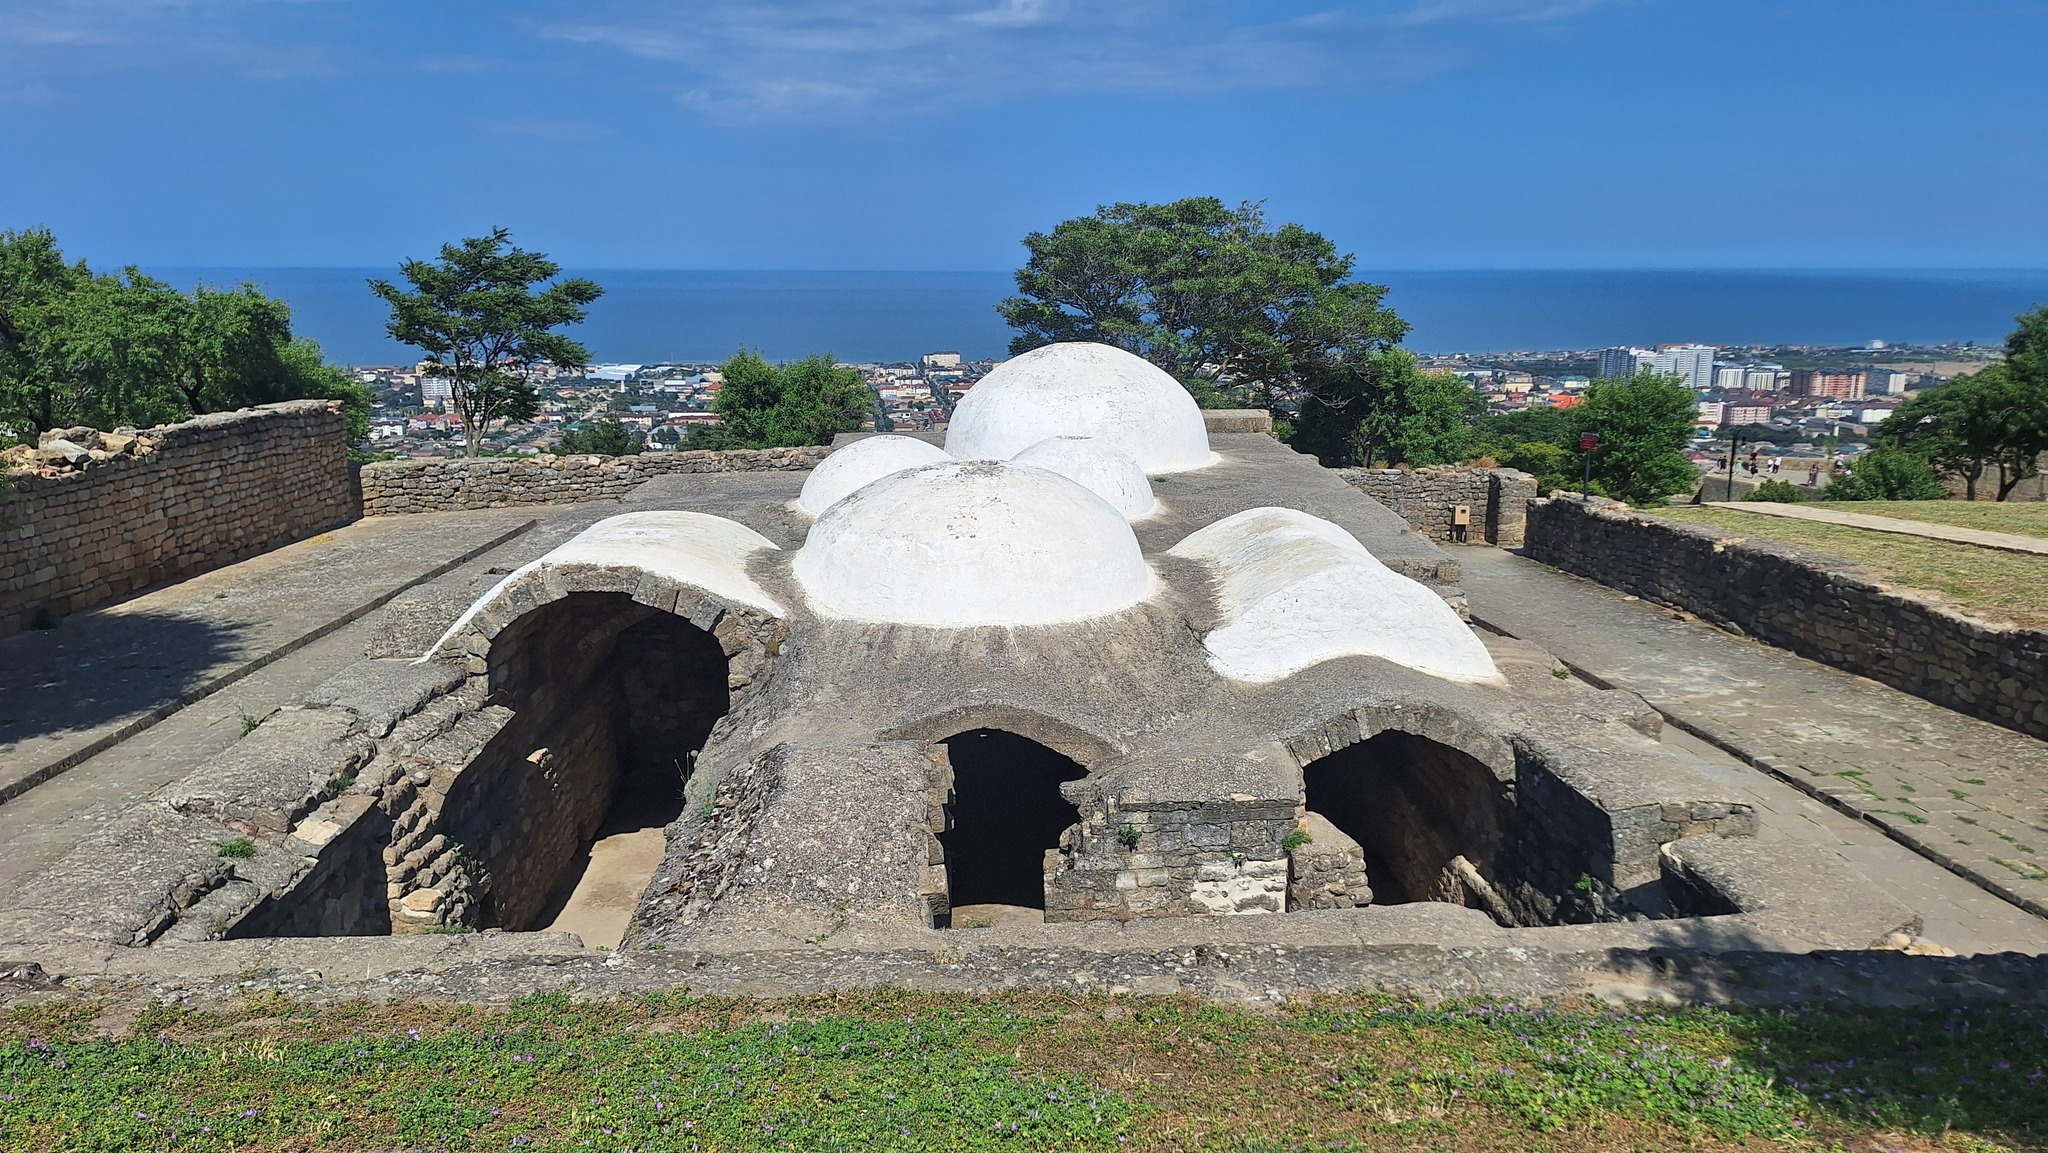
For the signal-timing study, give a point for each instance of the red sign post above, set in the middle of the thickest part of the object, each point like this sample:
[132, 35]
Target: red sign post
[1587, 443]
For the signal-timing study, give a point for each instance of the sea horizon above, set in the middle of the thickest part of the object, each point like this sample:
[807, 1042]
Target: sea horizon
[654, 315]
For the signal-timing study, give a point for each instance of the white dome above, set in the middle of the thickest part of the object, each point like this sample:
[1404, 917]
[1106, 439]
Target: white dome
[865, 460]
[1295, 590]
[1107, 472]
[1090, 390]
[972, 543]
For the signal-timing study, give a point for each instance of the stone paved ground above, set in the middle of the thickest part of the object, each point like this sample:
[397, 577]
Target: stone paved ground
[1963, 793]
[105, 674]
[42, 823]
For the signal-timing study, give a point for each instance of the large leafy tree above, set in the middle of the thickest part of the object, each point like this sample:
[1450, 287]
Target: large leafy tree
[485, 314]
[1382, 408]
[1234, 309]
[83, 348]
[1643, 422]
[763, 405]
[1992, 421]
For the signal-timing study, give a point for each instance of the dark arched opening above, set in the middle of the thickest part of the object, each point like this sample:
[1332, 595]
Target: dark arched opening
[611, 701]
[1414, 806]
[1005, 814]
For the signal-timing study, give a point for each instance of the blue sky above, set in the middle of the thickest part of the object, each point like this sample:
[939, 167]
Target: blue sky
[928, 134]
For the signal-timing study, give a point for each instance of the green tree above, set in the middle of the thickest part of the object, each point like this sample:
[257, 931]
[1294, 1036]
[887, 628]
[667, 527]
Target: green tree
[84, 348]
[35, 288]
[1643, 421]
[762, 405]
[1994, 420]
[477, 314]
[1383, 408]
[606, 437]
[1235, 310]
[1887, 473]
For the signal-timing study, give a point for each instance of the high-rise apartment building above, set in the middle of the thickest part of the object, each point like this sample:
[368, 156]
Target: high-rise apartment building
[1693, 362]
[1623, 361]
[1832, 385]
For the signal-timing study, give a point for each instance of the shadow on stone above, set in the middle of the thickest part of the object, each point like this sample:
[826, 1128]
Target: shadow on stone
[97, 668]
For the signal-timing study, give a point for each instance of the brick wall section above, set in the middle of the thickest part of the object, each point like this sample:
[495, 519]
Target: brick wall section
[1818, 606]
[405, 486]
[1424, 498]
[216, 489]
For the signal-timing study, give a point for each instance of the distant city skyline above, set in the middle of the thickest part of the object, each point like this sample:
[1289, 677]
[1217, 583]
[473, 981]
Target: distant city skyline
[934, 134]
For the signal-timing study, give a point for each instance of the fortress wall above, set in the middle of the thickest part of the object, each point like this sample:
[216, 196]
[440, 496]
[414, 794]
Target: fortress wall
[1424, 497]
[406, 486]
[1816, 605]
[211, 491]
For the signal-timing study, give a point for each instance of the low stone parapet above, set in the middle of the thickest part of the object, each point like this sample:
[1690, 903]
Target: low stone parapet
[1427, 498]
[442, 485]
[1819, 606]
[89, 522]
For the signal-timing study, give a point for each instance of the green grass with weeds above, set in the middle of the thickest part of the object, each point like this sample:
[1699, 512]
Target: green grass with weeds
[896, 1071]
[1988, 582]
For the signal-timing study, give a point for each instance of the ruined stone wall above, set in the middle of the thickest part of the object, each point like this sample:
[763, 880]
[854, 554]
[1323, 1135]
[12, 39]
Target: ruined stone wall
[404, 486]
[1177, 859]
[209, 492]
[1424, 497]
[1818, 606]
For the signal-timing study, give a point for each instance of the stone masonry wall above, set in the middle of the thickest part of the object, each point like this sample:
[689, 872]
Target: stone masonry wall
[211, 491]
[1424, 498]
[1818, 606]
[405, 486]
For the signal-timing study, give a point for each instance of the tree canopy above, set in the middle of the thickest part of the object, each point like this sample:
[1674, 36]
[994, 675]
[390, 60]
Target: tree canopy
[1887, 473]
[1990, 424]
[1382, 408]
[1235, 310]
[79, 347]
[1643, 422]
[484, 324]
[763, 405]
[606, 437]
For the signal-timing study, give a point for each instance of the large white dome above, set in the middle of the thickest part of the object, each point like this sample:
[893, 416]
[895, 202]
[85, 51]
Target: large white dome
[1090, 390]
[972, 543]
[865, 460]
[1105, 471]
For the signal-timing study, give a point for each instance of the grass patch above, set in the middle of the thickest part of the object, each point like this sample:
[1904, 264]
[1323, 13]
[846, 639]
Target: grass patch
[1029, 1071]
[2028, 519]
[1989, 582]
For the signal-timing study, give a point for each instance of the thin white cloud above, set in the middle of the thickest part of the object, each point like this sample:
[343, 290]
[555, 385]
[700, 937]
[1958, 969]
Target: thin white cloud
[837, 59]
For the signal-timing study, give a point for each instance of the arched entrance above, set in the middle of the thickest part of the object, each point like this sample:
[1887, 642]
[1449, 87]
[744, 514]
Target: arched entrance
[1005, 814]
[611, 701]
[1415, 807]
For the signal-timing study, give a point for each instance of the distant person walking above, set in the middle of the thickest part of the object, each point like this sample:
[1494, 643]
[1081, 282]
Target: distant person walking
[1813, 475]
[1777, 462]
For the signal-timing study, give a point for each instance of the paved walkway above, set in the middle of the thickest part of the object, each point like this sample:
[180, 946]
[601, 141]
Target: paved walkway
[2007, 541]
[104, 675]
[1962, 794]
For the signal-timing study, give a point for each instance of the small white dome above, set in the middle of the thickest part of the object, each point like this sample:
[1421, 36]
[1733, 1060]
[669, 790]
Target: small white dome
[1295, 590]
[1095, 466]
[865, 460]
[1090, 390]
[969, 543]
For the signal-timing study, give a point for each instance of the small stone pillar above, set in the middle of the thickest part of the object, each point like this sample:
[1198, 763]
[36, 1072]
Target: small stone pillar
[1328, 870]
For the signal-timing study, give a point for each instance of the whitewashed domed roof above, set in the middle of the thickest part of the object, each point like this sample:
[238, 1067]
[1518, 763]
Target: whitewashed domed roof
[865, 460]
[969, 543]
[1102, 469]
[1090, 390]
[1295, 590]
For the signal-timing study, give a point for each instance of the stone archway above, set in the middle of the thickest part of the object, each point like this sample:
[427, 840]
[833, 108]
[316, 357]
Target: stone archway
[1004, 814]
[1416, 809]
[610, 701]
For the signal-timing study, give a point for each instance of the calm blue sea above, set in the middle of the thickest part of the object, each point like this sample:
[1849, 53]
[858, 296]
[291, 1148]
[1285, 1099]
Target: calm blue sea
[688, 315]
